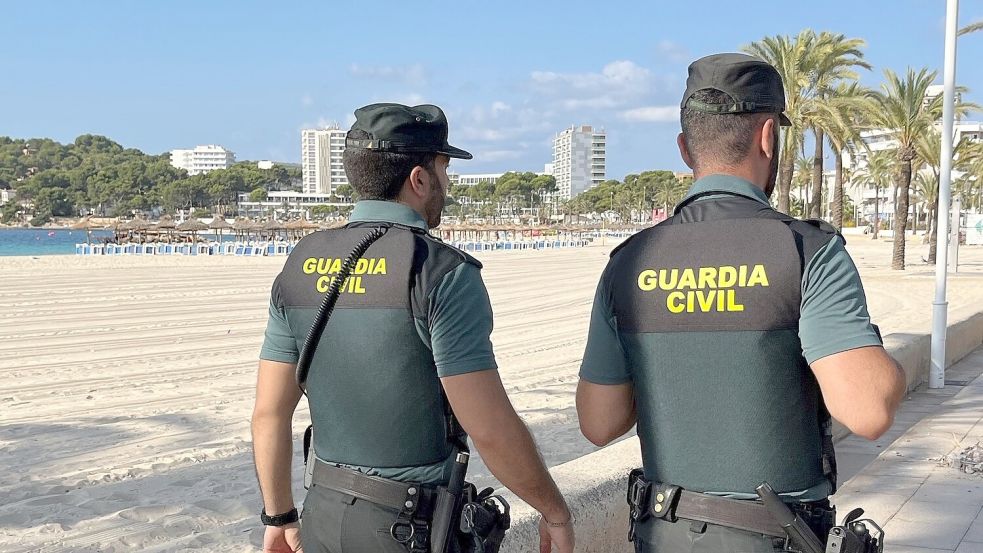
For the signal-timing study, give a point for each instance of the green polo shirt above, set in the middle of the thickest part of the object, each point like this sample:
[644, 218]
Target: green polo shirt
[833, 311]
[457, 330]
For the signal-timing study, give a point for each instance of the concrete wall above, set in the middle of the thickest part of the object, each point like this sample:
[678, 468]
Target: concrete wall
[595, 484]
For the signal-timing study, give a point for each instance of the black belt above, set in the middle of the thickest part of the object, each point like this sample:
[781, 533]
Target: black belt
[408, 497]
[670, 503]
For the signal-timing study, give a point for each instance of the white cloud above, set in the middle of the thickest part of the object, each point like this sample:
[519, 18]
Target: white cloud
[499, 107]
[651, 114]
[671, 51]
[414, 74]
[617, 84]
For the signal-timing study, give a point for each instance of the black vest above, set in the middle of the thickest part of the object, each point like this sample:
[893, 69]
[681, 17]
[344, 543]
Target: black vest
[707, 309]
[373, 390]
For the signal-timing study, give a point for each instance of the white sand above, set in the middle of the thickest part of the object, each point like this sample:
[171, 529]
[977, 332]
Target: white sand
[128, 384]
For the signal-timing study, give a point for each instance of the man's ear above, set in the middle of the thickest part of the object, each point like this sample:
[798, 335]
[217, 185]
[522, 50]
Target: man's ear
[684, 150]
[420, 182]
[767, 138]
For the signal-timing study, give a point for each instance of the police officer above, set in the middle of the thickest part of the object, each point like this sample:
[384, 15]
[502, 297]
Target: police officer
[729, 333]
[411, 330]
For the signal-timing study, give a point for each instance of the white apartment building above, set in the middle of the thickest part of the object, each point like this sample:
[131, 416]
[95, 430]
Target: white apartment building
[203, 159]
[489, 178]
[321, 164]
[475, 179]
[880, 140]
[285, 203]
[579, 156]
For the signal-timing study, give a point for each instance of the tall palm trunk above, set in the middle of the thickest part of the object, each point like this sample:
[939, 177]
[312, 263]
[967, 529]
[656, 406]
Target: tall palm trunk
[877, 210]
[816, 204]
[901, 214]
[933, 239]
[785, 183]
[837, 218]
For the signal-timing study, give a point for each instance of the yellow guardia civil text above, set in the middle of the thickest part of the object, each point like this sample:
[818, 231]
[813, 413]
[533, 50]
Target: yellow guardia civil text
[703, 289]
[329, 267]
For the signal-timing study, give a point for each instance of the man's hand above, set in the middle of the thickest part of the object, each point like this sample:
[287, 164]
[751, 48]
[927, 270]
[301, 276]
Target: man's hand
[558, 537]
[282, 539]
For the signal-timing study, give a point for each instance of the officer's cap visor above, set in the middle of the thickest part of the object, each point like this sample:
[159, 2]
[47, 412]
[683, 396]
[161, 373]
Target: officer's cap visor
[451, 151]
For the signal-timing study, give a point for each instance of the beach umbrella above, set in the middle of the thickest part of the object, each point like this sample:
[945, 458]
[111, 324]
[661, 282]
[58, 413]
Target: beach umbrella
[243, 225]
[137, 223]
[192, 225]
[167, 223]
[86, 224]
[219, 223]
[273, 226]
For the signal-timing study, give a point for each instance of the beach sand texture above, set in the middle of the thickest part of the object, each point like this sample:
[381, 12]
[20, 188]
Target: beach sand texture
[128, 383]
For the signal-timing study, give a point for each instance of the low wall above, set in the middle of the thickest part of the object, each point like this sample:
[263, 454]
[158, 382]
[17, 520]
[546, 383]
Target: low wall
[594, 484]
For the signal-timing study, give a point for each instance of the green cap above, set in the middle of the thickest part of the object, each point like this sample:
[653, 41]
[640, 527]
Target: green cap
[404, 129]
[753, 84]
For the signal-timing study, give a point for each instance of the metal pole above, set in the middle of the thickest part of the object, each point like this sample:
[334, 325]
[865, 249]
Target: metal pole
[936, 376]
[954, 235]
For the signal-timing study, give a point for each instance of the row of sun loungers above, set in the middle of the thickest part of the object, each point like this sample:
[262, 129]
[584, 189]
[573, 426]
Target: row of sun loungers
[284, 248]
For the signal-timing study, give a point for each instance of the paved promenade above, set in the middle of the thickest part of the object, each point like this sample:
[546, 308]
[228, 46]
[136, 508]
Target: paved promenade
[900, 480]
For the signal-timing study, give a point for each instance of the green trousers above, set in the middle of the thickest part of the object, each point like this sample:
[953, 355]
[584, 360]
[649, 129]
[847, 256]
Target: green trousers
[333, 522]
[655, 535]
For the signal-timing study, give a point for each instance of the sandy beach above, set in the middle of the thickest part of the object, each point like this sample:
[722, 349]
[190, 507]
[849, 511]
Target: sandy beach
[128, 383]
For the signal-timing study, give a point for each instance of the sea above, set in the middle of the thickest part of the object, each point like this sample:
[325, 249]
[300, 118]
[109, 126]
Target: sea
[30, 241]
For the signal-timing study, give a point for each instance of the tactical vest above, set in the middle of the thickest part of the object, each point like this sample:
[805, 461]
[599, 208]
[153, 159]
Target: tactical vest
[707, 309]
[373, 390]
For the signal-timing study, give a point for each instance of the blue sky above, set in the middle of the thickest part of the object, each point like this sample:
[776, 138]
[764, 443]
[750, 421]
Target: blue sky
[250, 75]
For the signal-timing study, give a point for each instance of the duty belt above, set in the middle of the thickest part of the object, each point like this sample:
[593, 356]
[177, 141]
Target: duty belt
[670, 503]
[406, 497]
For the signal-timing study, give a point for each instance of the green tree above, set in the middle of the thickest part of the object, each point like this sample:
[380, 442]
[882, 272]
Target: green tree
[928, 147]
[788, 55]
[877, 174]
[258, 195]
[830, 62]
[903, 107]
[842, 114]
[971, 28]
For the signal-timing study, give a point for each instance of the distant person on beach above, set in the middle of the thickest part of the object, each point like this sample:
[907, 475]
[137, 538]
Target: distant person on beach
[730, 333]
[404, 363]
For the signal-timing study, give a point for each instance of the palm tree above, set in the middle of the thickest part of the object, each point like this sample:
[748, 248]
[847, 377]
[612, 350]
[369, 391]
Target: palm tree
[668, 193]
[902, 107]
[877, 173]
[929, 150]
[786, 54]
[810, 65]
[971, 28]
[841, 114]
[831, 61]
[801, 180]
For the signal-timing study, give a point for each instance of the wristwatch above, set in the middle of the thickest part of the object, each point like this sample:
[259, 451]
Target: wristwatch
[279, 520]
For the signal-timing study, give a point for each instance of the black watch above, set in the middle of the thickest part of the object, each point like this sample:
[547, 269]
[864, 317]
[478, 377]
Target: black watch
[289, 517]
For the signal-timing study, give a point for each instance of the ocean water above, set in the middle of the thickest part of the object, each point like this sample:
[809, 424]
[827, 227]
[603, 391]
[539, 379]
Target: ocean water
[45, 241]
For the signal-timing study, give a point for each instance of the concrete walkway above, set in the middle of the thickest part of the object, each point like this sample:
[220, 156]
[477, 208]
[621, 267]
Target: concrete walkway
[923, 506]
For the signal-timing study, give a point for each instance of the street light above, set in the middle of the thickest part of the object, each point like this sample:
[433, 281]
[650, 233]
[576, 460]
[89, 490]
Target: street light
[936, 375]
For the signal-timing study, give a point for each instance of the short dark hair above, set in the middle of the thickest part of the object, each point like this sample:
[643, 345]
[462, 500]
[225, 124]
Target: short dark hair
[718, 137]
[380, 175]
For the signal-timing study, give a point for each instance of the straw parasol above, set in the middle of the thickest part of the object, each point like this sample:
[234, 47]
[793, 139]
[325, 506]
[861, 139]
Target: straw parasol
[298, 226]
[167, 223]
[243, 225]
[334, 224]
[138, 223]
[219, 223]
[192, 225]
[273, 226]
[86, 224]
